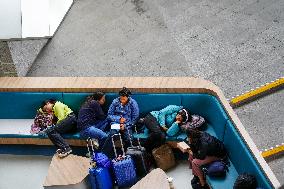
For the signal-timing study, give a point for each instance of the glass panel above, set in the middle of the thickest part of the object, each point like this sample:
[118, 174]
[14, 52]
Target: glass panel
[35, 22]
[10, 19]
[57, 11]
[31, 18]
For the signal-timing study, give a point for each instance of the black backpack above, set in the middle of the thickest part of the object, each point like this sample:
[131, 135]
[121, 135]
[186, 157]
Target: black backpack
[245, 181]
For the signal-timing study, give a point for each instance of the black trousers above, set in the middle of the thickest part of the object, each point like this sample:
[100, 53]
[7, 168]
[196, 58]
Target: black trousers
[157, 137]
[67, 125]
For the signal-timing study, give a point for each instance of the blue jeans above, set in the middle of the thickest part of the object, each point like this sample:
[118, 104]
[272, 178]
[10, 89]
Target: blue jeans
[67, 125]
[97, 132]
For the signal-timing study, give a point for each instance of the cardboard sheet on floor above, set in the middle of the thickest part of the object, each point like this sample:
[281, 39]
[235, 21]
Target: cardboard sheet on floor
[68, 172]
[157, 178]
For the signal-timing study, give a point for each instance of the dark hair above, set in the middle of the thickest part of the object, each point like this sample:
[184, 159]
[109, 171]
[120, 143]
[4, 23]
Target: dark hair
[124, 92]
[96, 96]
[185, 114]
[194, 134]
[51, 101]
[245, 181]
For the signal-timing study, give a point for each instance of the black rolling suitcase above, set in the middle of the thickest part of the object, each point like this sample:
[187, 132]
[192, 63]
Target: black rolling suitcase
[142, 159]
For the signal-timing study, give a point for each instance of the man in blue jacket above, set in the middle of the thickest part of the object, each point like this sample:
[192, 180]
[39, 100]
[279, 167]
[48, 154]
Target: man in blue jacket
[124, 111]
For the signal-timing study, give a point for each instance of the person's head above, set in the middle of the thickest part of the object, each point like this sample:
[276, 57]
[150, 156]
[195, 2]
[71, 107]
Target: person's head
[245, 181]
[193, 135]
[47, 105]
[97, 96]
[124, 94]
[183, 116]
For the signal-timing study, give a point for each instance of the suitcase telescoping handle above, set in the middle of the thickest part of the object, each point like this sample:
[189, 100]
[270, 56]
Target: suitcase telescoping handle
[92, 146]
[135, 128]
[122, 147]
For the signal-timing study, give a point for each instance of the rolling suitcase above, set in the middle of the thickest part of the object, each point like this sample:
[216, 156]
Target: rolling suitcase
[123, 167]
[99, 176]
[140, 157]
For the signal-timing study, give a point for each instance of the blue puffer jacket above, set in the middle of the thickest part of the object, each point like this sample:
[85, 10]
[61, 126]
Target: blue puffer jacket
[166, 117]
[130, 112]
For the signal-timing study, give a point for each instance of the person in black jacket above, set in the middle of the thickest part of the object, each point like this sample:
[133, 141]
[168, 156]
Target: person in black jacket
[92, 122]
[204, 149]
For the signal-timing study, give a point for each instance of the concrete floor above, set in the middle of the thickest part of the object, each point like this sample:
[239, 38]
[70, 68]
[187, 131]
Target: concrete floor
[236, 44]
[264, 122]
[25, 172]
[31, 174]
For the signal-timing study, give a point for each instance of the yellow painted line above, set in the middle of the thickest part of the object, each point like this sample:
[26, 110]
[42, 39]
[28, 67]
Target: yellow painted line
[257, 91]
[273, 151]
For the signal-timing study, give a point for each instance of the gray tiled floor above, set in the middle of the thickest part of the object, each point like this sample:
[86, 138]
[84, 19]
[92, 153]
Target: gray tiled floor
[29, 172]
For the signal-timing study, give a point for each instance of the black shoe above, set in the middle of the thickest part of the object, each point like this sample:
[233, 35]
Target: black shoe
[64, 152]
[195, 180]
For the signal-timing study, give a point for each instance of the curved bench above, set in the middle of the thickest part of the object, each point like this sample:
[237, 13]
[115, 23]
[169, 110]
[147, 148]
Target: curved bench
[205, 105]
[200, 96]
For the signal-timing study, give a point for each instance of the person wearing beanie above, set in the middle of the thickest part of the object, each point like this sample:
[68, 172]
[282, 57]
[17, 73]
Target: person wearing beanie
[165, 122]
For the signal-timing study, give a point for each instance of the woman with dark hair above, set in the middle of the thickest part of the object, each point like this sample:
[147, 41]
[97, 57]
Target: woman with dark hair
[124, 111]
[66, 123]
[92, 122]
[204, 149]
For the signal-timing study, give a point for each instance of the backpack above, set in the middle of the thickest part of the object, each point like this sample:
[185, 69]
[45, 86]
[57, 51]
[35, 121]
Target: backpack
[41, 122]
[216, 169]
[245, 181]
[197, 122]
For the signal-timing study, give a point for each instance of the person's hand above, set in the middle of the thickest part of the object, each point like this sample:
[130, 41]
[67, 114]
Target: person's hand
[189, 151]
[122, 120]
[178, 121]
[164, 128]
[122, 127]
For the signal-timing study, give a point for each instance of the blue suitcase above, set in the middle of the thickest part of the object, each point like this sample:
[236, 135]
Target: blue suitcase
[124, 169]
[99, 176]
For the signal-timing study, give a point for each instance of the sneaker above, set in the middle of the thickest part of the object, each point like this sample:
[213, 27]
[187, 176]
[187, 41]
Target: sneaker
[65, 152]
[58, 151]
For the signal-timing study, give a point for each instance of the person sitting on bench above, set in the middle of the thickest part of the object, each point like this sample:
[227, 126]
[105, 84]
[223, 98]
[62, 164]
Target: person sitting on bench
[92, 122]
[204, 149]
[66, 123]
[124, 110]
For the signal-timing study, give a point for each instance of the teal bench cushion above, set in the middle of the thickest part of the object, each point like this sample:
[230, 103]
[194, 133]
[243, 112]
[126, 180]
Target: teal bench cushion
[23, 105]
[74, 100]
[241, 157]
[151, 102]
[224, 182]
[209, 107]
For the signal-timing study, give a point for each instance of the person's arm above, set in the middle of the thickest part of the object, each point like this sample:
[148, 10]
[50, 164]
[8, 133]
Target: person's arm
[165, 111]
[99, 113]
[134, 112]
[111, 117]
[59, 111]
[173, 130]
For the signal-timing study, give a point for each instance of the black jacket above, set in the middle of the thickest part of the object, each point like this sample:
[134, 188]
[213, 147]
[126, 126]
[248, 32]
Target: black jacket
[207, 145]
